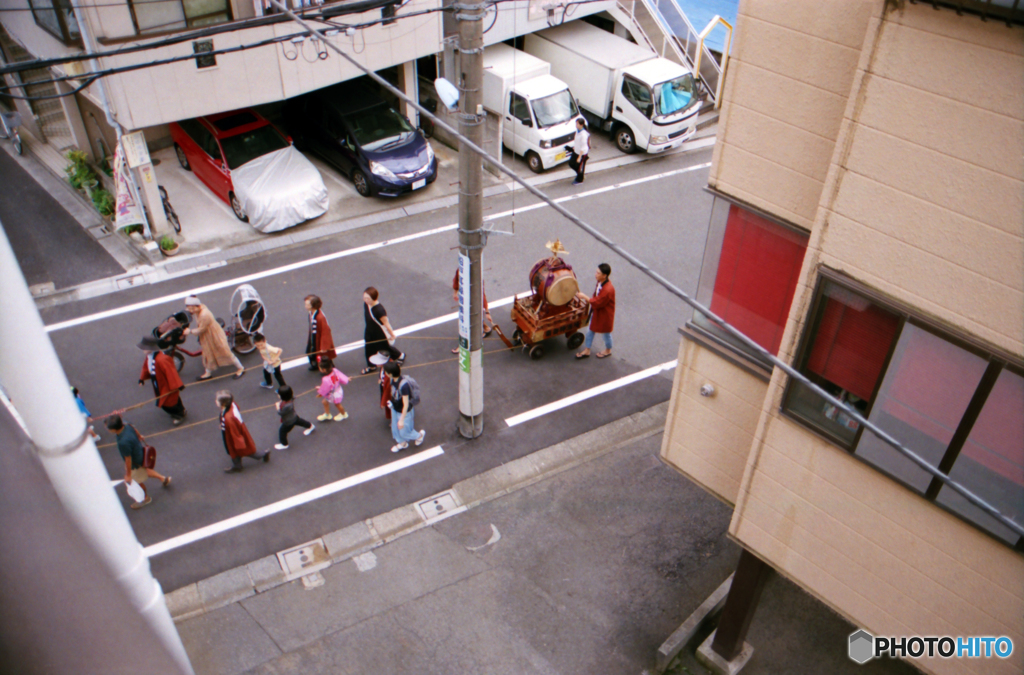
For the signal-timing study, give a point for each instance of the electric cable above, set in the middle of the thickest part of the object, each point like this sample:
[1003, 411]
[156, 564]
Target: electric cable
[883, 435]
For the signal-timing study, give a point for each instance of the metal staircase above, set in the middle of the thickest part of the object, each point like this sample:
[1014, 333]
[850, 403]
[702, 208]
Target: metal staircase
[680, 41]
[49, 113]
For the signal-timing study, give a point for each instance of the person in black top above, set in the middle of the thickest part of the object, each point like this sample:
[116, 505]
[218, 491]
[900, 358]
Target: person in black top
[289, 418]
[378, 335]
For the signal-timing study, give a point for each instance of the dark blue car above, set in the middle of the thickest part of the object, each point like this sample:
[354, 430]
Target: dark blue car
[356, 131]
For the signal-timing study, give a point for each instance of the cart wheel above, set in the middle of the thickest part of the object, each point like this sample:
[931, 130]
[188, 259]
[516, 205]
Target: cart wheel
[575, 340]
[179, 361]
[536, 352]
[517, 337]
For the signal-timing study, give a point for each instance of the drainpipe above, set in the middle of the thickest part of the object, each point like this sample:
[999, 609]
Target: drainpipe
[36, 384]
[94, 66]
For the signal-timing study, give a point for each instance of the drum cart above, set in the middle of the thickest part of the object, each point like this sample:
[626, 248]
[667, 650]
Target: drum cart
[539, 321]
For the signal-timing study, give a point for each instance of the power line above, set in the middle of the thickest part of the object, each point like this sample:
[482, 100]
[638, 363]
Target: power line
[883, 435]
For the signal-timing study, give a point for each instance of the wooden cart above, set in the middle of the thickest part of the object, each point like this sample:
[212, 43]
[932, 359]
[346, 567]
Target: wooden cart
[537, 321]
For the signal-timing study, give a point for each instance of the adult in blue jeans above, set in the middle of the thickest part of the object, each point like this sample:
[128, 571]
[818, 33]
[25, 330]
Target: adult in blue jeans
[602, 322]
[404, 399]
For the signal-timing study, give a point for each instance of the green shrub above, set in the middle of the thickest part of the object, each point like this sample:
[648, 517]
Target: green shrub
[103, 201]
[167, 242]
[130, 229]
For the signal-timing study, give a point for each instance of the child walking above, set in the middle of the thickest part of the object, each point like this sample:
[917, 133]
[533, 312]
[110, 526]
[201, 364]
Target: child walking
[330, 390]
[289, 418]
[271, 361]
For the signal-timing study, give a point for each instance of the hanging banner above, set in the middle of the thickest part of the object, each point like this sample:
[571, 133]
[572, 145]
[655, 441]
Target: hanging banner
[127, 211]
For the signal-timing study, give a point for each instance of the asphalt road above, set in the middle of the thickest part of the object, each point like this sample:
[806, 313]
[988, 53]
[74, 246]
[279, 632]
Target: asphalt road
[663, 220]
[44, 236]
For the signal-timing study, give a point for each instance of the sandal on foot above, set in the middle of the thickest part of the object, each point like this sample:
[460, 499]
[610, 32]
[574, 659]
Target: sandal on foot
[368, 370]
[166, 481]
[582, 356]
[200, 378]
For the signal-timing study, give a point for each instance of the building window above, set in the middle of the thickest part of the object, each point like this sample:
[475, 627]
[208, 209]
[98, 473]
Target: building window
[749, 275]
[156, 17]
[57, 17]
[955, 405]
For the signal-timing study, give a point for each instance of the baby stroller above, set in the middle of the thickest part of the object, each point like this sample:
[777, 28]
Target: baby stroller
[248, 315]
[170, 337]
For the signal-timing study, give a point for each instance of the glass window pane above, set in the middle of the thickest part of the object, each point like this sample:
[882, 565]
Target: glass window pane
[852, 337]
[757, 274]
[46, 16]
[159, 16]
[923, 397]
[197, 8]
[991, 464]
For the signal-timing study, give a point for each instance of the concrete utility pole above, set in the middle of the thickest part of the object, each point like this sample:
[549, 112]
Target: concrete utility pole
[472, 238]
[35, 381]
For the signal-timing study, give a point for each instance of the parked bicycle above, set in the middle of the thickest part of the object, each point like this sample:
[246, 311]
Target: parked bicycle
[172, 217]
[9, 123]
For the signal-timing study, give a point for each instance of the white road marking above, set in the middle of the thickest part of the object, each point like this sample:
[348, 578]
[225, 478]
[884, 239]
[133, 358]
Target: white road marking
[366, 561]
[346, 253]
[290, 502]
[589, 393]
[429, 323]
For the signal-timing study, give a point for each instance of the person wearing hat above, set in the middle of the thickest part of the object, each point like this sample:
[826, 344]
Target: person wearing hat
[379, 359]
[159, 369]
[216, 351]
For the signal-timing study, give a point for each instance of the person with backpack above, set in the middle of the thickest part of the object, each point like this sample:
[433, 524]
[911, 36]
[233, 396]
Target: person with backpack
[405, 396]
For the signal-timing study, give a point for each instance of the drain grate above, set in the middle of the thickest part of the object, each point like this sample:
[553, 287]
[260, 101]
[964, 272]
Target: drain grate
[304, 559]
[440, 506]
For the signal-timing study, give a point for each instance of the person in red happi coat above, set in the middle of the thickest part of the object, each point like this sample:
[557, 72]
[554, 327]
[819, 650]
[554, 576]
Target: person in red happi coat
[159, 369]
[602, 321]
[238, 441]
[320, 342]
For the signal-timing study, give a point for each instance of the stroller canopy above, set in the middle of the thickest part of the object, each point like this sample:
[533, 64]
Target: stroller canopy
[247, 308]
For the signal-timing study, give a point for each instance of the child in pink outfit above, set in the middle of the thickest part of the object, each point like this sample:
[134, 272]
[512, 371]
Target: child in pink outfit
[330, 390]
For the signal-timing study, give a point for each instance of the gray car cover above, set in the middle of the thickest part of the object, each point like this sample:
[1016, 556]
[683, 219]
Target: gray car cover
[279, 190]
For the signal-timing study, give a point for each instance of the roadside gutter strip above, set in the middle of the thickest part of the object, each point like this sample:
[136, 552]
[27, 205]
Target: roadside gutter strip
[265, 574]
[204, 260]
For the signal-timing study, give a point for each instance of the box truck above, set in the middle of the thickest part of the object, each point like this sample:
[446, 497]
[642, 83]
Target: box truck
[642, 99]
[537, 112]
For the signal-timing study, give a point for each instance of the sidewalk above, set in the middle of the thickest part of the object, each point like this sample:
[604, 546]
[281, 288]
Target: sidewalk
[581, 558]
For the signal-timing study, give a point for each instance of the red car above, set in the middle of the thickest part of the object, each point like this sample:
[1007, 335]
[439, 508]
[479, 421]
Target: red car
[252, 166]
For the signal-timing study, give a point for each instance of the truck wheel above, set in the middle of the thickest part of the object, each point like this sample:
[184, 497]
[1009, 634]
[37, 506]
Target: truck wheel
[624, 139]
[533, 161]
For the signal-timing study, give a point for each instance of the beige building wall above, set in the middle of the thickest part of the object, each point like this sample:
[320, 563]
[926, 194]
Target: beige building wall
[708, 438]
[789, 76]
[923, 202]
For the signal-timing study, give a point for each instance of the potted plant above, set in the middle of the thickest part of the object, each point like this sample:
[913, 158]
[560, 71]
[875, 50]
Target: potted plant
[168, 246]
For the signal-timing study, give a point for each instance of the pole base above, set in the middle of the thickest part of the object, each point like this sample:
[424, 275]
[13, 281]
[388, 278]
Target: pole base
[471, 427]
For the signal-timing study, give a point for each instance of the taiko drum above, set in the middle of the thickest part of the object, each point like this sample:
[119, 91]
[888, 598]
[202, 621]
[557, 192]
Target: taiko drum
[554, 280]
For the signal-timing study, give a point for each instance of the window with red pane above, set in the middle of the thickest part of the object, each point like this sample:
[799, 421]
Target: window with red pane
[850, 341]
[757, 274]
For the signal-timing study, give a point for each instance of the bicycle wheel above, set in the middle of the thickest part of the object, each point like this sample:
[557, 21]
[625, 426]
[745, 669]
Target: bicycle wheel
[172, 217]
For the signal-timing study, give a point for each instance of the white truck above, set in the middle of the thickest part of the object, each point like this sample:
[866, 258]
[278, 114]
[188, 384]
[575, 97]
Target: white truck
[644, 101]
[537, 112]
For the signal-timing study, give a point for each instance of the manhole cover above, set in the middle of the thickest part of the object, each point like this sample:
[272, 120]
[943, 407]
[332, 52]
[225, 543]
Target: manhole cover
[304, 559]
[440, 506]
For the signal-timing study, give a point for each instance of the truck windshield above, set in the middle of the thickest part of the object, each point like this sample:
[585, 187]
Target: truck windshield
[555, 109]
[675, 95]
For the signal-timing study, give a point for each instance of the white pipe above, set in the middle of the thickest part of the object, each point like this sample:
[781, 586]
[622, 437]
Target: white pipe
[36, 384]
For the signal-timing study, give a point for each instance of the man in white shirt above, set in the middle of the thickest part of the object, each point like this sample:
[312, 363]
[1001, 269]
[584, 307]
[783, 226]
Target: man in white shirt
[581, 148]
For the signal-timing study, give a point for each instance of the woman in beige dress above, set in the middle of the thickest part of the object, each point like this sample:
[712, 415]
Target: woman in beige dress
[216, 352]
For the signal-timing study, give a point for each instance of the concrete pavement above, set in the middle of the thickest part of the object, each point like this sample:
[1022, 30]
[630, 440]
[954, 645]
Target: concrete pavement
[583, 565]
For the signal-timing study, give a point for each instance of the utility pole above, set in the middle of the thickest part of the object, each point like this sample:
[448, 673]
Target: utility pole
[36, 384]
[469, 15]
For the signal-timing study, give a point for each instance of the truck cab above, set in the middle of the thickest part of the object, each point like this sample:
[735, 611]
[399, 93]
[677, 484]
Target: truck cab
[655, 108]
[536, 111]
[540, 120]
